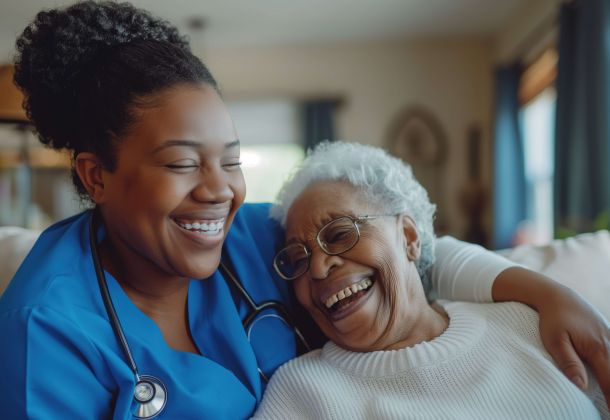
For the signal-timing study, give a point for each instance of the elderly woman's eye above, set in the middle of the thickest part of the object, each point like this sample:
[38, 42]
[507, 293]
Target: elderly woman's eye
[338, 235]
[299, 263]
[297, 258]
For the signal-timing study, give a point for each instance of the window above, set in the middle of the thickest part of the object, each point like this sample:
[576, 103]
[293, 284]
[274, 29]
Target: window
[269, 131]
[538, 99]
[538, 122]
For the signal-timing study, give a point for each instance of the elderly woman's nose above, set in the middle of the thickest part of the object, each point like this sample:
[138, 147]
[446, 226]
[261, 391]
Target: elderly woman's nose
[213, 186]
[322, 264]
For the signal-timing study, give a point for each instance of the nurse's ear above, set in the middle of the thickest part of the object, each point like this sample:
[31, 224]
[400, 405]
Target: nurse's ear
[90, 171]
[411, 237]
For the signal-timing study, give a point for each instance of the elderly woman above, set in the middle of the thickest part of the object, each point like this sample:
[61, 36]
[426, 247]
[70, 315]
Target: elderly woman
[359, 245]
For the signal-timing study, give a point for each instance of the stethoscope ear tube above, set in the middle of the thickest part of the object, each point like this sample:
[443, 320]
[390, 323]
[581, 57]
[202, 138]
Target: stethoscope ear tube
[150, 394]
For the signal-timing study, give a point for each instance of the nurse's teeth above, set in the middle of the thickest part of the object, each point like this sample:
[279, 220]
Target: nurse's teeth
[348, 291]
[206, 228]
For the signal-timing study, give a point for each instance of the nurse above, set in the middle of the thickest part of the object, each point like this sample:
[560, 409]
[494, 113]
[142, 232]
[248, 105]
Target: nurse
[155, 152]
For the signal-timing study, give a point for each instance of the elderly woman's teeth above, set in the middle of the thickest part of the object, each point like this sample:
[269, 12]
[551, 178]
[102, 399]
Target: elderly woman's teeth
[203, 227]
[363, 284]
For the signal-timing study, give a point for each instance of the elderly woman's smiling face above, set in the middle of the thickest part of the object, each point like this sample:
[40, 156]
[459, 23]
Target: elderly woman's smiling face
[374, 291]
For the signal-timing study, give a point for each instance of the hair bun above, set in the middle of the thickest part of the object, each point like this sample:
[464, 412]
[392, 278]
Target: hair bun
[61, 43]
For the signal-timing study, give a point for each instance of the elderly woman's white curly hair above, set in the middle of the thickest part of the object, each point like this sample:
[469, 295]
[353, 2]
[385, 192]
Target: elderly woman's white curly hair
[387, 181]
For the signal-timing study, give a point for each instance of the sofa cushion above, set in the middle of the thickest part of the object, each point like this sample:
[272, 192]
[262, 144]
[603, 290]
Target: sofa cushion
[581, 262]
[15, 243]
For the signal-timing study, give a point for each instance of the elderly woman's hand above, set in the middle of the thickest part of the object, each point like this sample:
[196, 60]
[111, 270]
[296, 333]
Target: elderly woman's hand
[572, 330]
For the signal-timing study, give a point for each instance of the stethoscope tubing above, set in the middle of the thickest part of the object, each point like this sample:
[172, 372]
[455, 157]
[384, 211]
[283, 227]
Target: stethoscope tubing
[107, 299]
[256, 309]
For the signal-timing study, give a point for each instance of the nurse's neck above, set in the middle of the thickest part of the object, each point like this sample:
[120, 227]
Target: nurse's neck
[159, 295]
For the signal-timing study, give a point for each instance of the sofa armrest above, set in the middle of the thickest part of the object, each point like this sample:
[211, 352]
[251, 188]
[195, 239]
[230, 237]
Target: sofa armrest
[15, 243]
[581, 262]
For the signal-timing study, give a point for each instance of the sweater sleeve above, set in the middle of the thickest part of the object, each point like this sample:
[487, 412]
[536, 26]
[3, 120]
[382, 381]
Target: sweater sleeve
[464, 271]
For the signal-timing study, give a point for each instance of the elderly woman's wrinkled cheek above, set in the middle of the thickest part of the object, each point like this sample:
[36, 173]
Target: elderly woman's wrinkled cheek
[390, 280]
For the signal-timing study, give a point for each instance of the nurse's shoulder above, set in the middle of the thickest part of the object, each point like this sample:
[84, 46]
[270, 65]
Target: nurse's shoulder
[251, 243]
[50, 312]
[253, 220]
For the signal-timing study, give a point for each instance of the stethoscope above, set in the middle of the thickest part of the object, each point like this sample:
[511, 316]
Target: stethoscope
[150, 393]
[256, 309]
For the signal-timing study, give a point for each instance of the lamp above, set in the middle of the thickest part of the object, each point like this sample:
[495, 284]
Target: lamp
[12, 112]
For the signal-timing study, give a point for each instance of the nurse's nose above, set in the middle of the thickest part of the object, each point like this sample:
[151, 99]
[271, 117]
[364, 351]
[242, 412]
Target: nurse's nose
[213, 185]
[321, 264]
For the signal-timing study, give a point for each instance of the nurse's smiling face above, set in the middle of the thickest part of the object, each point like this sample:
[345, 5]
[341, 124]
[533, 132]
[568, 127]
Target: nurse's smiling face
[176, 187]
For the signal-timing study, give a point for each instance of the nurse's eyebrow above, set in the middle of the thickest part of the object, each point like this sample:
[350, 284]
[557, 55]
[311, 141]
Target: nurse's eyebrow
[190, 143]
[234, 143]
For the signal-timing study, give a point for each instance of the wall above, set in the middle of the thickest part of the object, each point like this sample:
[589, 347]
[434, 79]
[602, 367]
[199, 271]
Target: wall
[450, 77]
[528, 31]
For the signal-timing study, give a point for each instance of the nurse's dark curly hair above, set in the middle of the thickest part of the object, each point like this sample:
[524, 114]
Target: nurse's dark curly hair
[85, 70]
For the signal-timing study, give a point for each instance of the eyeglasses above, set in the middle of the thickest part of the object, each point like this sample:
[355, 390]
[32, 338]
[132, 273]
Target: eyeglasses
[334, 238]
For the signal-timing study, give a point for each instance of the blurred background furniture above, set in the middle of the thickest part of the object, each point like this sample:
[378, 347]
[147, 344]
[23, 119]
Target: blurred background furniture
[35, 186]
[15, 243]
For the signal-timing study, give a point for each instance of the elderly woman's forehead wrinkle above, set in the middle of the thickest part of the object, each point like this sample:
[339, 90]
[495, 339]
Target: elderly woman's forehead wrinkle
[302, 228]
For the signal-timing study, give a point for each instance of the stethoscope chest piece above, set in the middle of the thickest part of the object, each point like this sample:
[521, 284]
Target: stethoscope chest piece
[150, 397]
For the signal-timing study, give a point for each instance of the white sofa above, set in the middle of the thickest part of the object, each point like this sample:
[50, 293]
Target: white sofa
[15, 243]
[581, 262]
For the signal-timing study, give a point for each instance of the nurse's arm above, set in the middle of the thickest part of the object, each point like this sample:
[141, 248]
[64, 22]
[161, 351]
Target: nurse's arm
[49, 368]
[572, 331]
[570, 328]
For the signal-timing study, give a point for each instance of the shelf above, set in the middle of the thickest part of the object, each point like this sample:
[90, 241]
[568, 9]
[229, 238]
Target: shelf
[40, 158]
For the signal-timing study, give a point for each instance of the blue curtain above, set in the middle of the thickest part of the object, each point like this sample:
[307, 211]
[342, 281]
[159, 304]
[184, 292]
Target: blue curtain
[582, 150]
[509, 207]
[319, 124]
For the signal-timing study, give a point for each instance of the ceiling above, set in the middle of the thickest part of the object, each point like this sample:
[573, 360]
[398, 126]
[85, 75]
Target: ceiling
[232, 23]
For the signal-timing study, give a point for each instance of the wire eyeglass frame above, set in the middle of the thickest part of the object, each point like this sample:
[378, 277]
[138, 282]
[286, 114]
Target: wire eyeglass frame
[354, 220]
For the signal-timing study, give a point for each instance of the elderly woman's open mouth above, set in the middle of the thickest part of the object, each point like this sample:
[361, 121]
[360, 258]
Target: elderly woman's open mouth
[343, 302]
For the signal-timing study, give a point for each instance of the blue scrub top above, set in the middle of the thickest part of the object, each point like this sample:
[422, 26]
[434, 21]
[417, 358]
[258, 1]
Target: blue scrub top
[60, 358]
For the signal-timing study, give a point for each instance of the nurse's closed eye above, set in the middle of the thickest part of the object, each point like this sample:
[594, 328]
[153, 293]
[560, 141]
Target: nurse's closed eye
[231, 163]
[184, 165]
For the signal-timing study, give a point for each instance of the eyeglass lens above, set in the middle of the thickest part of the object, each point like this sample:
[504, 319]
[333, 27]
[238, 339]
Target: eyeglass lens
[338, 236]
[292, 261]
[334, 238]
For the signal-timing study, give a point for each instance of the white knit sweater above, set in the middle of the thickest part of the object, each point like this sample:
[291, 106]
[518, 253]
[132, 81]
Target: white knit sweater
[488, 364]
